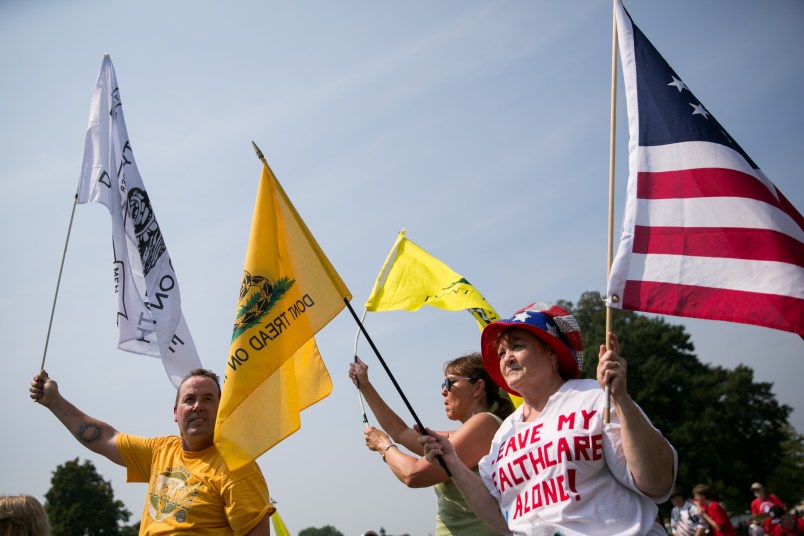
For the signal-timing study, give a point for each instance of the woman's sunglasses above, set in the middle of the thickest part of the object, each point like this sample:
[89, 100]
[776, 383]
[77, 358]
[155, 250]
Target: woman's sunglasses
[450, 381]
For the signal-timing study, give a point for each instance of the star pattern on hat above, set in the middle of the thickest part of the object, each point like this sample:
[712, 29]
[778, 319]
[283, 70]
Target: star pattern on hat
[553, 330]
[521, 317]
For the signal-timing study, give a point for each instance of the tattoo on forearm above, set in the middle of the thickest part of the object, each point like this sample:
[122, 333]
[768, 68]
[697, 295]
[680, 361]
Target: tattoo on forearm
[89, 432]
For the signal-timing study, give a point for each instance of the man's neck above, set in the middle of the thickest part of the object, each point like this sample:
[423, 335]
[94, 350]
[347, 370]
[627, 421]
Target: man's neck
[195, 446]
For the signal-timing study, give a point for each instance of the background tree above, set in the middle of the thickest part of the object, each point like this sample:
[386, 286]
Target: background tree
[789, 474]
[729, 430]
[80, 502]
[383, 533]
[130, 530]
[327, 530]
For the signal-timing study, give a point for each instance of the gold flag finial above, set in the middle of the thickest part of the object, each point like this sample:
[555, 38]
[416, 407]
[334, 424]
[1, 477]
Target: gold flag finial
[257, 150]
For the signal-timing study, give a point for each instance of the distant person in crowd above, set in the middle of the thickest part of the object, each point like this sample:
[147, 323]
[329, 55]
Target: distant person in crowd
[471, 398]
[684, 518]
[22, 515]
[190, 488]
[712, 511]
[554, 467]
[781, 523]
[760, 507]
[763, 500]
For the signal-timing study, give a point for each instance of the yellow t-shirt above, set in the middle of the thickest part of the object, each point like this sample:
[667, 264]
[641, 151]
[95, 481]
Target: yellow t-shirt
[193, 492]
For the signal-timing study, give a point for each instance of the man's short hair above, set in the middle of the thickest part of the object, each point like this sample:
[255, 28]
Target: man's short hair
[199, 372]
[702, 489]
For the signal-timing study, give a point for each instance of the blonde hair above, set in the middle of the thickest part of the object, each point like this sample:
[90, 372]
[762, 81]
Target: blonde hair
[22, 515]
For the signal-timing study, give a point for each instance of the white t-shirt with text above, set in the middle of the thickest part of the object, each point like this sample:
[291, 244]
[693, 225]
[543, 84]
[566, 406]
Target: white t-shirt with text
[566, 472]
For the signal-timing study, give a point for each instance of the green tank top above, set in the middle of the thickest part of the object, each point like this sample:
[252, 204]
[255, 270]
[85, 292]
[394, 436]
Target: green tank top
[454, 517]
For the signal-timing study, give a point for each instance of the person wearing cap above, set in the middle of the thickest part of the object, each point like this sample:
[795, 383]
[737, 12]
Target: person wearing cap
[470, 397]
[712, 511]
[554, 465]
[684, 518]
[781, 523]
[763, 500]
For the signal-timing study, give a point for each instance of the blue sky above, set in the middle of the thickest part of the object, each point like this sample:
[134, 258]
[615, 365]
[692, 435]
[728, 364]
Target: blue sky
[482, 128]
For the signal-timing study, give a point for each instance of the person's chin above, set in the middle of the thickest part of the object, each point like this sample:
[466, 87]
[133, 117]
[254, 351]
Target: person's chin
[513, 378]
[198, 430]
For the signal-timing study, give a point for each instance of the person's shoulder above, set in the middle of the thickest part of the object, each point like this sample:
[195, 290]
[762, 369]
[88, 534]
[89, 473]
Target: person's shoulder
[508, 423]
[217, 463]
[585, 384]
[586, 388]
[166, 441]
[482, 425]
[486, 416]
[158, 442]
[249, 471]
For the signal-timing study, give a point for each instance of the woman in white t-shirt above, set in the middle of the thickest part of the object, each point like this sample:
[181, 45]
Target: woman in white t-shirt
[555, 466]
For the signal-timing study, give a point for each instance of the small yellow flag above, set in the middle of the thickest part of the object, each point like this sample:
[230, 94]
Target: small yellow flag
[411, 278]
[288, 293]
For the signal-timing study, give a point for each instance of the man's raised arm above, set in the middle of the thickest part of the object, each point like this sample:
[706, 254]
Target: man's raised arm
[95, 435]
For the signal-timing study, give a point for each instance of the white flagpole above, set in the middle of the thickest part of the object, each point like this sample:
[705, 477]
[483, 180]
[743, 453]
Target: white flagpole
[359, 392]
[612, 143]
[58, 280]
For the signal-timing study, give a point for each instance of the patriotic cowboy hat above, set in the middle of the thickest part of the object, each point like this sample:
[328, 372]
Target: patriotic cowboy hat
[552, 324]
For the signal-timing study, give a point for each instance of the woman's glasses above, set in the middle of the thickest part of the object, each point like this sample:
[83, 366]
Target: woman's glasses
[449, 381]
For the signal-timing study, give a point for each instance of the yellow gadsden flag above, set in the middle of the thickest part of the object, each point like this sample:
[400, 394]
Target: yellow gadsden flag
[411, 278]
[288, 293]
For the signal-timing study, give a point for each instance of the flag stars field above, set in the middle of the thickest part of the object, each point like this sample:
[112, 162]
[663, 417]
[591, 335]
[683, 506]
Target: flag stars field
[698, 109]
[679, 84]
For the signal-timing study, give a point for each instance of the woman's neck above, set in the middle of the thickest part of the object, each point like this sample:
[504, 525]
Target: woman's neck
[534, 403]
[476, 408]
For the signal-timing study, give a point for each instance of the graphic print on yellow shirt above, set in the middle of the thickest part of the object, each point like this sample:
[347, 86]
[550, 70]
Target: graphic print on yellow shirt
[169, 495]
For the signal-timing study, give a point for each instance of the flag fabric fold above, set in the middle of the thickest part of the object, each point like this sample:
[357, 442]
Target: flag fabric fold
[412, 278]
[705, 233]
[289, 291]
[149, 315]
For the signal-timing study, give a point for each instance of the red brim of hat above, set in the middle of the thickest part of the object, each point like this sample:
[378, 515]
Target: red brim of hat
[566, 360]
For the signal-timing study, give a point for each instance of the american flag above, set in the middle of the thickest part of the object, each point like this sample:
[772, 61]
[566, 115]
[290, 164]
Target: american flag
[705, 233]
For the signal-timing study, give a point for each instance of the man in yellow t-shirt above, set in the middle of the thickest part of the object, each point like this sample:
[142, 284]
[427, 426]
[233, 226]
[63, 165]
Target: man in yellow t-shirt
[190, 488]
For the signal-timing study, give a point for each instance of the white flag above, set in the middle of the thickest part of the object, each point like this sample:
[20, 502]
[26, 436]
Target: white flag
[149, 314]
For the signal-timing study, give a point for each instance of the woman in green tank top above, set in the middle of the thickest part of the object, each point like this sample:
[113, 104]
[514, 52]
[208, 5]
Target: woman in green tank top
[471, 398]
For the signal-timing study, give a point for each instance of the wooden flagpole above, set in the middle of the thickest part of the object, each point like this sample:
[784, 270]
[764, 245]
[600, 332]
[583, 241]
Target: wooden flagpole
[612, 144]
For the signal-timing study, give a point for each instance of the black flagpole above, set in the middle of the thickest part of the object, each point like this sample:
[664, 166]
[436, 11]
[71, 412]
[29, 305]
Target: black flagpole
[422, 429]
